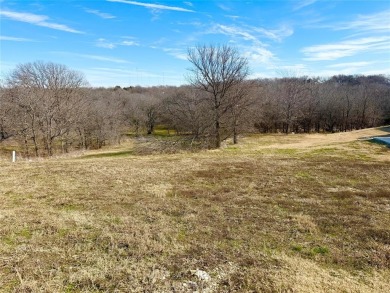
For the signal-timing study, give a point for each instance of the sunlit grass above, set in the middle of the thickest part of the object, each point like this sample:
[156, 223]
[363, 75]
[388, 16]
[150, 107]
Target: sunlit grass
[299, 216]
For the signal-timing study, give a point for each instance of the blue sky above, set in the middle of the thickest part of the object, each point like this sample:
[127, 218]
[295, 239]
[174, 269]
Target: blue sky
[122, 42]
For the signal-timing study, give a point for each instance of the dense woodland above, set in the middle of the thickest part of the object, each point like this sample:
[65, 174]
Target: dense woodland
[48, 108]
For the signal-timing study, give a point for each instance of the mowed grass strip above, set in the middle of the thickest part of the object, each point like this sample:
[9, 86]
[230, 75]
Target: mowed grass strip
[300, 218]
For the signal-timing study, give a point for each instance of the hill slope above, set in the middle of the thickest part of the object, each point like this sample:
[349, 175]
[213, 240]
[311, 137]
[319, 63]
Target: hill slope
[297, 213]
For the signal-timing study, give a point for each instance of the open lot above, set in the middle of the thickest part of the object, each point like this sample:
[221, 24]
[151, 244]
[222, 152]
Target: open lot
[275, 213]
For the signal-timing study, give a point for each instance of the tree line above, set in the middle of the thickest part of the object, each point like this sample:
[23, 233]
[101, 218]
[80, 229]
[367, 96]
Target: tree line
[49, 108]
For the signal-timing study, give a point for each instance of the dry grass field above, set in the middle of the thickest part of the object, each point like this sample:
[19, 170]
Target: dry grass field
[276, 213]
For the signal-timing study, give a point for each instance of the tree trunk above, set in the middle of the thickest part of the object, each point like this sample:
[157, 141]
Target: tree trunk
[235, 135]
[26, 147]
[34, 138]
[217, 135]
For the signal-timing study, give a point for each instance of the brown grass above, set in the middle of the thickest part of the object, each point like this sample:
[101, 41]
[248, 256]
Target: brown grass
[300, 216]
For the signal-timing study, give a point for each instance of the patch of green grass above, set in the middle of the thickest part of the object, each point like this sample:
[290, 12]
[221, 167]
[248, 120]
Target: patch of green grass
[320, 250]
[69, 207]
[9, 240]
[182, 235]
[303, 175]
[162, 130]
[63, 232]
[71, 288]
[109, 155]
[232, 148]
[324, 151]
[25, 232]
[285, 151]
[297, 247]
[10, 285]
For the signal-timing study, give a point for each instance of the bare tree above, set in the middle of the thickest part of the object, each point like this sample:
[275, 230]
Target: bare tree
[241, 100]
[187, 113]
[6, 112]
[291, 94]
[47, 95]
[217, 71]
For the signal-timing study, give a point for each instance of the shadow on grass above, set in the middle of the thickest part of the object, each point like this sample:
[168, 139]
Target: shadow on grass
[109, 155]
[383, 140]
[385, 128]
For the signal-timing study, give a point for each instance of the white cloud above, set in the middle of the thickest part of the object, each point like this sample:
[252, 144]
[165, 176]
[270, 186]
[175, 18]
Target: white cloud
[129, 43]
[276, 34]
[295, 69]
[303, 3]
[106, 76]
[257, 54]
[100, 14]
[378, 22]
[188, 3]
[377, 71]
[103, 58]
[195, 24]
[39, 20]
[254, 50]
[224, 7]
[353, 70]
[153, 6]
[102, 43]
[14, 39]
[346, 48]
[233, 31]
[250, 33]
[177, 53]
[350, 64]
[93, 57]
[233, 17]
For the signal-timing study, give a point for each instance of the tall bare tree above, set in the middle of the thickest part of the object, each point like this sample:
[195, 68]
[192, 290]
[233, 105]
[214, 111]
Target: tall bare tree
[217, 71]
[187, 113]
[47, 94]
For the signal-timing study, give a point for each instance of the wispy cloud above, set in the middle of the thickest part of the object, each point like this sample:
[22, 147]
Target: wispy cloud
[14, 39]
[254, 48]
[107, 76]
[350, 64]
[258, 55]
[153, 6]
[103, 43]
[177, 53]
[100, 14]
[224, 7]
[365, 70]
[378, 22]
[35, 19]
[233, 17]
[346, 48]
[103, 58]
[276, 34]
[93, 57]
[234, 31]
[129, 43]
[290, 70]
[303, 3]
[250, 33]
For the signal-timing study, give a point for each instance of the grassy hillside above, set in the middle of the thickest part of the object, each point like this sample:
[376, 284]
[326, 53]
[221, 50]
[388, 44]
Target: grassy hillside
[297, 213]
